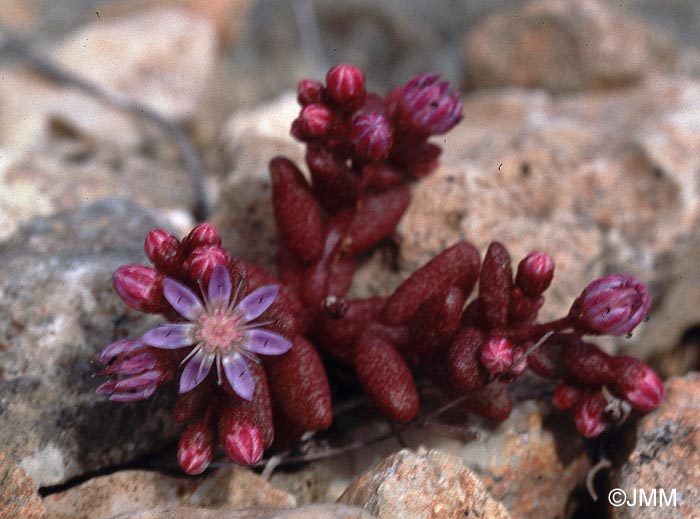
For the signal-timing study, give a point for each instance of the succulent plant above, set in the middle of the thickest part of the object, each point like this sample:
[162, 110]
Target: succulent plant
[266, 335]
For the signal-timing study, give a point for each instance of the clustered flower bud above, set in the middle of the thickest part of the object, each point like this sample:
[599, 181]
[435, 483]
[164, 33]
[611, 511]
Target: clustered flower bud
[612, 305]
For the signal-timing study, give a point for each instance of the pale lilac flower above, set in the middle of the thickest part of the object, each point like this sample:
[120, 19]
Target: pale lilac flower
[222, 330]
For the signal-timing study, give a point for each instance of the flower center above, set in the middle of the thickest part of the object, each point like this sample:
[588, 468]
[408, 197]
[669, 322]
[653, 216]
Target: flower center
[219, 332]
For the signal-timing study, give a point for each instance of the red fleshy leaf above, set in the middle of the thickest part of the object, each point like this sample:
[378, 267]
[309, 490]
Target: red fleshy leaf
[464, 370]
[386, 378]
[338, 336]
[495, 285]
[299, 385]
[457, 265]
[435, 322]
[587, 363]
[492, 401]
[297, 214]
[376, 217]
[334, 184]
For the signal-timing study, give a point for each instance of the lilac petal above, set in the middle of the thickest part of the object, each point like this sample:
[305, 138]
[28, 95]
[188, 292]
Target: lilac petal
[267, 343]
[182, 299]
[134, 396]
[170, 336]
[219, 290]
[107, 388]
[131, 366]
[139, 381]
[238, 375]
[196, 370]
[259, 300]
[117, 348]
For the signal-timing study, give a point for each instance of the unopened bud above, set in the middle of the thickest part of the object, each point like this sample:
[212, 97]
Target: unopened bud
[612, 305]
[202, 261]
[497, 355]
[141, 288]
[535, 273]
[240, 437]
[589, 414]
[202, 234]
[370, 136]
[164, 250]
[195, 450]
[424, 106]
[638, 383]
[345, 84]
[309, 91]
[565, 397]
[315, 120]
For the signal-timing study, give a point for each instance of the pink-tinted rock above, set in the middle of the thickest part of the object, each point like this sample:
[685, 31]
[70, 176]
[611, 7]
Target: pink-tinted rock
[18, 493]
[306, 512]
[666, 454]
[130, 491]
[422, 485]
[558, 45]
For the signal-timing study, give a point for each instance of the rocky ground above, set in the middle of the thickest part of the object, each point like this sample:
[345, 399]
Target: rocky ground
[581, 138]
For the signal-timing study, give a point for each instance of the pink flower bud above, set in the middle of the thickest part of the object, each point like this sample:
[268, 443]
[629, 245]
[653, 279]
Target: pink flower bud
[612, 305]
[589, 414]
[565, 397]
[202, 234]
[638, 383]
[240, 437]
[370, 136]
[424, 106]
[497, 355]
[140, 287]
[535, 273]
[345, 84]
[202, 261]
[195, 450]
[164, 250]
[309, 91]
[520, 364]
[315, 121]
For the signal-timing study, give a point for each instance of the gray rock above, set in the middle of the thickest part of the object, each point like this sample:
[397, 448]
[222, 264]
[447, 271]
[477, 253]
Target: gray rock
[57, 310]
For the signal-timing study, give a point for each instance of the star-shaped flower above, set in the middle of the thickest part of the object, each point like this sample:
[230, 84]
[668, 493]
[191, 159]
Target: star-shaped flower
[222, 330]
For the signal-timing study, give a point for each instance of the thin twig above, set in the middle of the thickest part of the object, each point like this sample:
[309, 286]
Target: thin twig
[124, 103]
